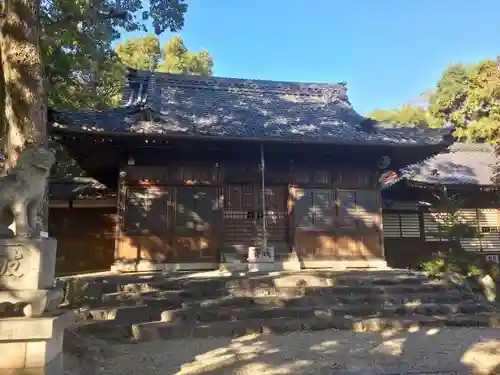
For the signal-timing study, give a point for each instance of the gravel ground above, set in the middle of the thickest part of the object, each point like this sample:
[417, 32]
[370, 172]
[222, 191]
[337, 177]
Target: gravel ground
[468, 350]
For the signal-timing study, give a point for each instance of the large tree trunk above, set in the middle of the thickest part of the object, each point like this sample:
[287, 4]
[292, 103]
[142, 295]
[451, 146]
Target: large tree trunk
[25, 112]
[3, 126]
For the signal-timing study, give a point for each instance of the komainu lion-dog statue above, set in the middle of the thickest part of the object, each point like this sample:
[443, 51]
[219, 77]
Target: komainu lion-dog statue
[22, 192]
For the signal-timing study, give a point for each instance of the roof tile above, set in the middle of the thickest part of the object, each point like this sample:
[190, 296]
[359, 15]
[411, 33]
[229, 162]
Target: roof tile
[464, 164]
[196, 106]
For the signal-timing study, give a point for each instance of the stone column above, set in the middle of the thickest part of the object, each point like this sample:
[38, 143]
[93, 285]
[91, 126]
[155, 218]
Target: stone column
[31, 335]
[31, 342]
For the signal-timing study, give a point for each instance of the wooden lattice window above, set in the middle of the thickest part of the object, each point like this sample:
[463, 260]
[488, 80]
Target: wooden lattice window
[195, 208]
[146, 211]
[330, 208]
[357, 208]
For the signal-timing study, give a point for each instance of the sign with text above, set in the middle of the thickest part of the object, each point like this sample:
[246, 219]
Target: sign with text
[260, 255]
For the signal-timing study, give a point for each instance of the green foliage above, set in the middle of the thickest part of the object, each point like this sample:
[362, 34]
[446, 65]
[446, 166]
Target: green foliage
[81, 67]
[467, 96]
[462, 262]
[450, 93]
[453, 225]
[139, 52]
[173, 57]
[177, 59]
[405, 115]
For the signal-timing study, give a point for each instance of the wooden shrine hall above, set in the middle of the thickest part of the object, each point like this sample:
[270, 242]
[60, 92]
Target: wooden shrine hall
[464, 181]
[211, 169]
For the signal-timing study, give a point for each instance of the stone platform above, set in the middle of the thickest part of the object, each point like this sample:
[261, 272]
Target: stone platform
[27, 274]
[33, 346]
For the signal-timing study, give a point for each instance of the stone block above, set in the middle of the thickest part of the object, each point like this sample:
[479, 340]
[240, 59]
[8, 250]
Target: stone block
[30, 346]
[151, 331]
[281, 325]
[27, 264]
[99, 314]
[93, 290]
[55, 367]
[177, 315]
[263, 267]
[128, 315]
[36, 301]
[489, 287]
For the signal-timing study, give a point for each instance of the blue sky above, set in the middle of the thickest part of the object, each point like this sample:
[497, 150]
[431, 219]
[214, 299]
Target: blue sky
[388, 51]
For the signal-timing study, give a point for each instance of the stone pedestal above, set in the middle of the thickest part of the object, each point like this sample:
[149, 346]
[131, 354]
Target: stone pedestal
[27, 274]
[33, 346]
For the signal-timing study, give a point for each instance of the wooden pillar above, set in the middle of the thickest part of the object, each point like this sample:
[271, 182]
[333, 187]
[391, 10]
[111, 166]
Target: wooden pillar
[121, 197]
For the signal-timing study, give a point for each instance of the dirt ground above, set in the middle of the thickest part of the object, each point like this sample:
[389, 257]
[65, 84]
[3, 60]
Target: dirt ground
[452, 351]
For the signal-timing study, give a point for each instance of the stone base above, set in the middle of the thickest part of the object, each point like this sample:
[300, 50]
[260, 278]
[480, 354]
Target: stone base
[291, 263]
[27, 263]
[233, 267]
[345, 264]
[33, 346]
[262, 266]
[35, 302]
[150, 266]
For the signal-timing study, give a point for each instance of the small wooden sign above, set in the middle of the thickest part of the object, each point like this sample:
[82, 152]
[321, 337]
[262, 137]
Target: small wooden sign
[260, 255]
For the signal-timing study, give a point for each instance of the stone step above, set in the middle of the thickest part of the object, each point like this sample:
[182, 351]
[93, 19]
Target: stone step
[319, 279]
[173, 299]
[124, 315]
[208, 312]
[151, 331]
[124, 296]
[285, 291]
[139, 283]
[166, 331]
[439, 288]
[365, 293]
[131, 308]
[331, 300]
[196, 315]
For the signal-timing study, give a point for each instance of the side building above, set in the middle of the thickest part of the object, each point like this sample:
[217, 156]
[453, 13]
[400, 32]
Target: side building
[463, 178]
[82, 216]
[207, 168]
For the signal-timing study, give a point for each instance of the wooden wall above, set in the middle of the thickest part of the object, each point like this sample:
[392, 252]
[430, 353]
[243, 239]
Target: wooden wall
[413, 236]
[85, 238]
[336, 223]
[210, 211]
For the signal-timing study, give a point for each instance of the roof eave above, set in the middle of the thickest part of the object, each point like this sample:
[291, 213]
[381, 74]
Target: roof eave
[63, 129]
[421, 184]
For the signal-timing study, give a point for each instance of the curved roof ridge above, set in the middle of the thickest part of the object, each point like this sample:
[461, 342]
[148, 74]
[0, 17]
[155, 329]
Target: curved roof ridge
[214, 82]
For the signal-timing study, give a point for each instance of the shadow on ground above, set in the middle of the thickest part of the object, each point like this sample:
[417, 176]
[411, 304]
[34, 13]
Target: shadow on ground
[434, 350]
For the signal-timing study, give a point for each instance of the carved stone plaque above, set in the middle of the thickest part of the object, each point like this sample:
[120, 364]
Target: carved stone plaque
[27, 264]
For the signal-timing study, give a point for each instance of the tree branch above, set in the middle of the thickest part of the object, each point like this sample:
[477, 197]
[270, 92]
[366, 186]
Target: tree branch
[113, 14]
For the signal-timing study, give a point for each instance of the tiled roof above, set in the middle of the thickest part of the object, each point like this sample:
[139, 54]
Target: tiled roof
[78, 188]
[472, 164]
[194, 106]
[107, 120]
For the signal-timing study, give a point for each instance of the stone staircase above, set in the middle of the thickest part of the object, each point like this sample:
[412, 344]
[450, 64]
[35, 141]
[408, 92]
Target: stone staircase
[155, 307]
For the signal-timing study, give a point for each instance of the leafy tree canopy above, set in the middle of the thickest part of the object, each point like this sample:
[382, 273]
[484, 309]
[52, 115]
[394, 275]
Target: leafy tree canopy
[467, 96]
[137, 53]
[404, 115]
[81, 67]
[173, 57]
